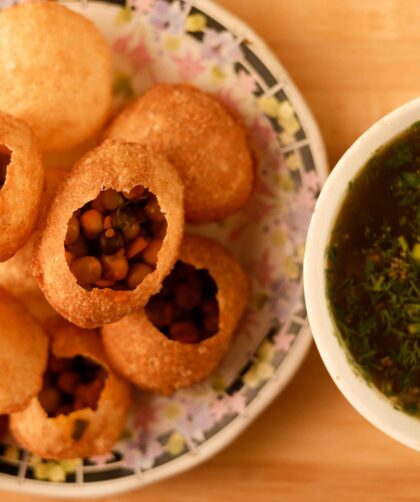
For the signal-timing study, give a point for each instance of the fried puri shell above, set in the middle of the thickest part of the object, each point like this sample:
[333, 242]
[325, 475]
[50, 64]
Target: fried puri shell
[23, 355]
[201, 139]
[55, 71]
[121, 166]
[146, 357]
[17, 278]
[53, 437]
[20, 196]
[16, 273]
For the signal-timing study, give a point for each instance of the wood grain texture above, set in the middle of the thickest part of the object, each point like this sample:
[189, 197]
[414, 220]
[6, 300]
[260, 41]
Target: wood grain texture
[354, 61]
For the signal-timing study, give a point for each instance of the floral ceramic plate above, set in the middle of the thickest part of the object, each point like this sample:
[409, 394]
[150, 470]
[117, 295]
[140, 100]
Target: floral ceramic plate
[198, 42]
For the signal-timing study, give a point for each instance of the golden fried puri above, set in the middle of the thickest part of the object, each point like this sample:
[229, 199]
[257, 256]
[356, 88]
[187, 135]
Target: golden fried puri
[21, 184]
[23, 355]
[99, 257]
[55, 71]
[77, 430]
[17, 278]
[201, 139]
[16, 273]
[143, 354]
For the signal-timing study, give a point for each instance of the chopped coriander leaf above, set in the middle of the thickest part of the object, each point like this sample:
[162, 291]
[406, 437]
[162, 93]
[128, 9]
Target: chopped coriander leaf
[373, 273]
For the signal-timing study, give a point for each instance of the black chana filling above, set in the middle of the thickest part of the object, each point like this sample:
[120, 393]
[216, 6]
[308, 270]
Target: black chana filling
[114, 240]
[186, 308]
[5, 157]
[71, 384]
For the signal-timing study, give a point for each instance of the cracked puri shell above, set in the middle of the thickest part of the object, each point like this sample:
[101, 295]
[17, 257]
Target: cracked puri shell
[150, 360]
[121, 166]
[53, 438]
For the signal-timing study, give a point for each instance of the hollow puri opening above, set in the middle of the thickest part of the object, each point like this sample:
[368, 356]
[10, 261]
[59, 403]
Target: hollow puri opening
[5, 158]
[113, 241]
[71, 384]
[186, 308]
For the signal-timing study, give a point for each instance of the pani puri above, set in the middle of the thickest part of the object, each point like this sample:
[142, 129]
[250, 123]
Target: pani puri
[111, 235]
[184, 331]
[206, 144]
[82, 407]
[16, 273]
[23, 355]
[21, 184]
[55, 71]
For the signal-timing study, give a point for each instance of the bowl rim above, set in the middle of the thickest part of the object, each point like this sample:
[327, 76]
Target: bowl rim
[365, 398]
[293, 359]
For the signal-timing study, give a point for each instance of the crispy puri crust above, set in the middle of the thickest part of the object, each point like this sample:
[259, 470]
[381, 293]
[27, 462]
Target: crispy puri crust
[201, 139]
[16, 277]
[52, 437]
[16, 273]
[20, 196]
[23, 355]
[59, 81]
[142, 354]
[121, 166]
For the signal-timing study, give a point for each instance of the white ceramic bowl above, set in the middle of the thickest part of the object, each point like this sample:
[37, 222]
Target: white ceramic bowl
[367, 400]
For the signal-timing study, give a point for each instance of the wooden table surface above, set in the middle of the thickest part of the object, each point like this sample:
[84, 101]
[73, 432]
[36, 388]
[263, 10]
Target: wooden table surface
[354, 61]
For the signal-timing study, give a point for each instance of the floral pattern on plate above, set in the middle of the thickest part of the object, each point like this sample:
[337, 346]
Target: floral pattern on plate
[163, 41]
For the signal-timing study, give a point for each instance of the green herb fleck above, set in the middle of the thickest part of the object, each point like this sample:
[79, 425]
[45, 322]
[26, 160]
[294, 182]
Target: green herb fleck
[373, 273]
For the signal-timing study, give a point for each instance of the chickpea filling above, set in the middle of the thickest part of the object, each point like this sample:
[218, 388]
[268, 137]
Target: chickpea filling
[186, 308]
[114, 240]
[5, 158]
[71, 384]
